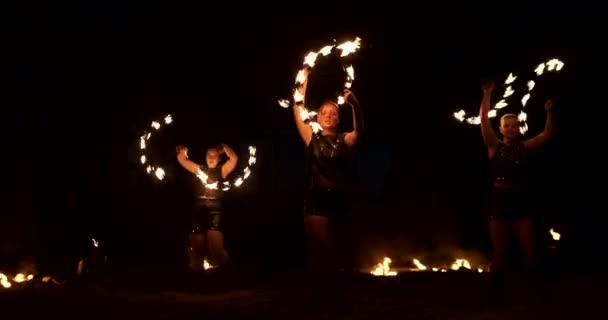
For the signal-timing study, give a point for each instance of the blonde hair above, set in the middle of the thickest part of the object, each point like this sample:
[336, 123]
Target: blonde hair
[507, 116]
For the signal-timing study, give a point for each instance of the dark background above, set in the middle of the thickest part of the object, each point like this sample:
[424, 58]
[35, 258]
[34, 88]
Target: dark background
[82, 82]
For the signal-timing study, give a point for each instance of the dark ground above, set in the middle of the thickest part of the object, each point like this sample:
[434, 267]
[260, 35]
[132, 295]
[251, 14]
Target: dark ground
[453, 295]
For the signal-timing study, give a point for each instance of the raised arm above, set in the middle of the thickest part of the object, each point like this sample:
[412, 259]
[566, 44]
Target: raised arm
[541, 138]
[304, 129]
[352, 137]
[489, 137]
[182, 158]
[233, 160]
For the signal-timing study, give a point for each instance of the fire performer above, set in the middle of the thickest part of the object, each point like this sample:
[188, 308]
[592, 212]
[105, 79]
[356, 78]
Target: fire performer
[207, 212]
[328, 156]
[509, 207]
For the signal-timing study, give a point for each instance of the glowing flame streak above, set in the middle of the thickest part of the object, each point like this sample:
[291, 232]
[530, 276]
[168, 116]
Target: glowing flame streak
[501, 104]
[95, 243]
[531, 85]
[158, 172]
[556, 236]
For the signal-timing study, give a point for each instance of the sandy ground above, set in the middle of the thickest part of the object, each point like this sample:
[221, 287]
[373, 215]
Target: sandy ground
[407, 296]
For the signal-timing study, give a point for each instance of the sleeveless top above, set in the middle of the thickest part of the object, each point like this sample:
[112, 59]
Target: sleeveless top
[213, 175]
[328, 159]
[510, 164]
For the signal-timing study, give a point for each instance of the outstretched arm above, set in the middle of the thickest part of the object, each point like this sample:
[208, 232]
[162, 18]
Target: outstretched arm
[182, 157]
[489, 137]
[304, 129]
[541, 138]
[233, 160]
[352, 137]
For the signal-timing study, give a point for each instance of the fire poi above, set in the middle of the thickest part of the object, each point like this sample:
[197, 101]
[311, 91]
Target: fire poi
[152, 167]
[552, 65]
[346, 49]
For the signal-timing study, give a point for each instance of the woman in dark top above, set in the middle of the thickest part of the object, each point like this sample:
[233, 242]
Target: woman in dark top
[328, 157]
[207, 212]
[509, 208]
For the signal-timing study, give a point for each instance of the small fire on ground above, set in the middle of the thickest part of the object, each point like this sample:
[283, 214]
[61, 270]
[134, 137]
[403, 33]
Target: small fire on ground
[7, 282]
[384, 268]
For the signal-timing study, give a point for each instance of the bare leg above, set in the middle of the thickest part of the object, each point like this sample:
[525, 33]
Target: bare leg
[499, 233]
[219, 256]
[319, 243]
[526, 236]
[197, 255]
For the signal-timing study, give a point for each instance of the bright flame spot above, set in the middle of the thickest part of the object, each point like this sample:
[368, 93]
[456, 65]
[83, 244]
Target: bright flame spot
[310, 59]
[349, 47]
[556, 236]
[160, 173]
[284, 103]
[315, 127]
[300, 77]
[155, 125]
[524, 99]
[501, 104]
[142, 144]
[510, 78]
[95, 243]
[340, 99]
[539, 70]
[523, 128]
[297, 96]
[326, 50]
[508, 92]
[207, 265]
[168, 119]
[522, 116]
[351, 72]
[554, 64]
[531, 85]
[143, 159]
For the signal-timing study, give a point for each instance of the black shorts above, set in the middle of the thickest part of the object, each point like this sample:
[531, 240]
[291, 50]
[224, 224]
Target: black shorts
[207, 215]
[326, 202]
[509, 205]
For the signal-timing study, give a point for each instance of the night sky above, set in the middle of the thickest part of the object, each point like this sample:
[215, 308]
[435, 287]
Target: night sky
[80, 84]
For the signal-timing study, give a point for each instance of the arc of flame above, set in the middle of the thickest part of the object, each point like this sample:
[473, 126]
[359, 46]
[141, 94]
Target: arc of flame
[554, 65]
[158, 172]
[310, 59]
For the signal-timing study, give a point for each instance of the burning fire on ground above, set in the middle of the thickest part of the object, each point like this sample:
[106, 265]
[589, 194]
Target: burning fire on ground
[7, 282]
[383, 268]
